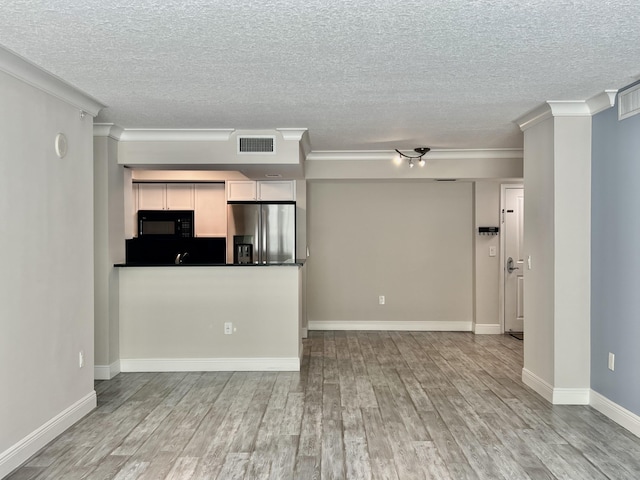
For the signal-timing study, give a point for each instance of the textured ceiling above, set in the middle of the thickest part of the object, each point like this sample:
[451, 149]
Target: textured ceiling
[359, 74]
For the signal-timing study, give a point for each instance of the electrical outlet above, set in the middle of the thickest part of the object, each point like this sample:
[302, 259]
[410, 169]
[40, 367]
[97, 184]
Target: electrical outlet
[381, 300]
[81, 358]
[612, 361]
[228, 328]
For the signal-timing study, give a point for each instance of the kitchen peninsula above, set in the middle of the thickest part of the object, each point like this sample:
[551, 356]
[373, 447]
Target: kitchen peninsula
[202, 317]
[188, 301]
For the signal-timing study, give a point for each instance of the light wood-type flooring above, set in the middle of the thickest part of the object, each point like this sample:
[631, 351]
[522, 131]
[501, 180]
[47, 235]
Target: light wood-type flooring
[392, 405]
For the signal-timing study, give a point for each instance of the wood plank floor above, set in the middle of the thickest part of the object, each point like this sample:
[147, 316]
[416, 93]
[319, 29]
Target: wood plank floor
[381, 405]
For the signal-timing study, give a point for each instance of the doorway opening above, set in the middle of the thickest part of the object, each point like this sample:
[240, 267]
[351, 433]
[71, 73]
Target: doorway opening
[512, 259]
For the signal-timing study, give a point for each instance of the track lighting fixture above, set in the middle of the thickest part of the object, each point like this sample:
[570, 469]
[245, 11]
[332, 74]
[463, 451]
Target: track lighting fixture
[421, 151]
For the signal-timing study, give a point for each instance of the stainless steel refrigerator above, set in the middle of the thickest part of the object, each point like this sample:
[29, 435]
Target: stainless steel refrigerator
[261, 232]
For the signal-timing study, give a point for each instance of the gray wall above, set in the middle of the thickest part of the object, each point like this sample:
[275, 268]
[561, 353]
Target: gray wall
[409, 241]
[487, 269]
[46, 286]
[615, 258]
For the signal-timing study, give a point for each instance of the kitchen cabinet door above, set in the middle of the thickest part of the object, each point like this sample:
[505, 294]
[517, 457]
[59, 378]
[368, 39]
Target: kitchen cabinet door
[210, 210]
[276, 190]
[151, 196]
[179, 196]
[241, 190]
[248, 190]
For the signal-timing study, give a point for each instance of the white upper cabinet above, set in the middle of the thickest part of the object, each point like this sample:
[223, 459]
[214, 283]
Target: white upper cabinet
[277, 190]
[247, 190]
[180, 196]
[241, 190]
[151, 196]
[165, 196]
[211, 210]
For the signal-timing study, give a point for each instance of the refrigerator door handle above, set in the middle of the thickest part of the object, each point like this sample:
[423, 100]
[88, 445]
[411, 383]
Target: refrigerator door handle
[264, 251]
[257, 252]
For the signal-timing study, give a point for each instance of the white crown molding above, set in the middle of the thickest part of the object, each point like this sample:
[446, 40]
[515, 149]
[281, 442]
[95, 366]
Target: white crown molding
[568, 108]
[305, 145]
[602, 101]
[292, 134]
[107, 130]
[19, 453]
[343, 155]
[475, 154]
[389, 155]
[415, 326]
[22, 69]
[210, 364]
[176, 135]
[535, 116]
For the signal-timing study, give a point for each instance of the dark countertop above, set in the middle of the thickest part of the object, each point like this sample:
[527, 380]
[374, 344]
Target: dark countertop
[297, 263]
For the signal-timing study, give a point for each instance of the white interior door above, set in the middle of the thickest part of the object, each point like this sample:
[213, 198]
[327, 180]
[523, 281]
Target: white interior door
[514, 260]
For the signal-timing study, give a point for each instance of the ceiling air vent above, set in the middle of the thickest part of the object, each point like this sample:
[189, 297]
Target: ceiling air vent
[629, 102]
[256, 144]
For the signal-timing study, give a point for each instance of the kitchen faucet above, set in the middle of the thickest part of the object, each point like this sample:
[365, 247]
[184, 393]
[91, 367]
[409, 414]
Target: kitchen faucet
[180, 258]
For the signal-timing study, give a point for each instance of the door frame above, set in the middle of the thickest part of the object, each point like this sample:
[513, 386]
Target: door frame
[503, 201]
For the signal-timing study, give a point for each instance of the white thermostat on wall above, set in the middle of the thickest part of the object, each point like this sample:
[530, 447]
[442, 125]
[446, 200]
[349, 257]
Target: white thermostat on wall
[61, 145]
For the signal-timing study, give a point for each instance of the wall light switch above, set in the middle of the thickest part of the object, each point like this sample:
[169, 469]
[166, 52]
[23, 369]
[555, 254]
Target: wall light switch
[492, 251]
[381, 300]
[612, 361]
[529, 262]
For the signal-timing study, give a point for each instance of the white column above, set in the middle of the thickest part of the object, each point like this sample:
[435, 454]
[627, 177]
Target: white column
[557, 179]
[109, 235]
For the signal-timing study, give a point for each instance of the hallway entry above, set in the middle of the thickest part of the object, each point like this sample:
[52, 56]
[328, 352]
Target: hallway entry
[513, 258]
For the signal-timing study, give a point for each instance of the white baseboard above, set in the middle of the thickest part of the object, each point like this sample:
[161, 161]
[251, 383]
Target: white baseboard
[210, 364]
[415, 326]
[541, 387]
[615, 412]
[556, 396]
[19, 453]
[106, 372]
[571, 396]
[487, 329]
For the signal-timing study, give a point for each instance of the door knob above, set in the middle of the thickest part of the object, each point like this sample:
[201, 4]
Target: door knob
[510, 267]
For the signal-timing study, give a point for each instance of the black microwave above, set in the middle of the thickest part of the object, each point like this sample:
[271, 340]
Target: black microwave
[165, 223]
